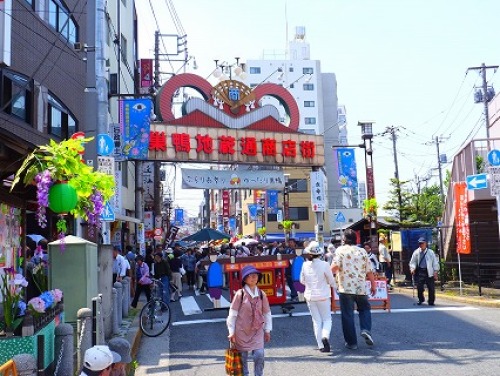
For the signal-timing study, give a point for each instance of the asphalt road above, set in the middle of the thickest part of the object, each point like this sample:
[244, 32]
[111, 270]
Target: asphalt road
[450, 338]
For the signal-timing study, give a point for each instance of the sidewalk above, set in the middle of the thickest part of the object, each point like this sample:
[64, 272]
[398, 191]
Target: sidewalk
[453, 296]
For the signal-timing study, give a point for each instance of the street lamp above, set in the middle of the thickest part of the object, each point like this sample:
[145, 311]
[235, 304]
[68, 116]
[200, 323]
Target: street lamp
[367, 135]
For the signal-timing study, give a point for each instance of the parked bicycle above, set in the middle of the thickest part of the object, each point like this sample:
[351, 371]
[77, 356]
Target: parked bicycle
[155, 315]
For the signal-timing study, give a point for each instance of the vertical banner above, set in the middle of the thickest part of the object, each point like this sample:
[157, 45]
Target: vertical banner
[148, 221]
[348, 172]
[115, 133]
[135, 117]
[179, 217]
[172, 233]
[272, 202]
[226, 202]
[462, 219]
[318, 194]
[146, 72]
[232, 225]
[252, 211]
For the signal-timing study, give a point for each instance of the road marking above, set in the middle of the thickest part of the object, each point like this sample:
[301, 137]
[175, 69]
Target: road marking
[224, 303]
[297, 314]
[189, 306]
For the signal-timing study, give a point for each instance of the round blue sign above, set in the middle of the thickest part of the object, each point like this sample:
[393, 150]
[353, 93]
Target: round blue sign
[105, 144]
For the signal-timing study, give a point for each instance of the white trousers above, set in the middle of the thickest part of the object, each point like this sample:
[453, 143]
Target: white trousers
[322, 319]
[177, 281]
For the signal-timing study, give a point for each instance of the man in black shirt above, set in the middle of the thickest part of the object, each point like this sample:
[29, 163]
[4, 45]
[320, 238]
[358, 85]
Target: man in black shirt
[164, 274]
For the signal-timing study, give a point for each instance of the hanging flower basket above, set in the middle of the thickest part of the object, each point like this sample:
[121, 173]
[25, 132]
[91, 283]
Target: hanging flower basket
[62, 198]
[58, 162]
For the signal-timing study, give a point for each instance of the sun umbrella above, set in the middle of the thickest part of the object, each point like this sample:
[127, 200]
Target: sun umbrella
[35, 237]
[248, 241]
[205, 235]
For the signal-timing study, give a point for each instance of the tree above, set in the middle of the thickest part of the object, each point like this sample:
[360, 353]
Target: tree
[392, 206]
[419, 206]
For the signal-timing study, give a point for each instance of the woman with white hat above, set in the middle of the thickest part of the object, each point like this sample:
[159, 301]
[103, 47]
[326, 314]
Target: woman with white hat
[318, 280]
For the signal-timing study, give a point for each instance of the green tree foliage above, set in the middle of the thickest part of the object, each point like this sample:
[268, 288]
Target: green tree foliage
[420, 206]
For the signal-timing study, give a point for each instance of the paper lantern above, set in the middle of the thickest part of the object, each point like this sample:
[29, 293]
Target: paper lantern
[62, 198]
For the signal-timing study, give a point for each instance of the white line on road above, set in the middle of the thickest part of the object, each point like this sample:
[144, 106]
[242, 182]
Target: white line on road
[400, 310]
[189, 306]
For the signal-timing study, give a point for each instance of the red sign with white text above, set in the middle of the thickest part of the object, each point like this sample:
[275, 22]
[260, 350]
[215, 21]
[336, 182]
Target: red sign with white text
[462, 219]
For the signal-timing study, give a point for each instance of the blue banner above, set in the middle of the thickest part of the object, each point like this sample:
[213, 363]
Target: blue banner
[272, 202]
[135, 117]
[232, 225]
[179, 217]
[348, 173]
[252, 210]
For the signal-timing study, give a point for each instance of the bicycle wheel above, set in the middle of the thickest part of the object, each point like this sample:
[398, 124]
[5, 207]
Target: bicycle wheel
[154, 318]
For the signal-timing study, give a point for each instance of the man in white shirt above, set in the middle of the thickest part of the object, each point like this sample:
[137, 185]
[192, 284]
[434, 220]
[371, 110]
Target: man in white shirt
[119, 265]
[384, 258]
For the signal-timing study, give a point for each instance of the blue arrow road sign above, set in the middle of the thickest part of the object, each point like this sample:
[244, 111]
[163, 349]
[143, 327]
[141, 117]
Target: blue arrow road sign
[105, 144]
[494, 157]
[340, 218]
[108, 214]
[479, 181]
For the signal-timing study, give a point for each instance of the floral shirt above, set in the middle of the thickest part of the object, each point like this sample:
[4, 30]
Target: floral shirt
[353, 263]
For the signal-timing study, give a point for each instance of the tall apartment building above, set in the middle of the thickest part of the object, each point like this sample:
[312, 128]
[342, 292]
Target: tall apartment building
[316, 96]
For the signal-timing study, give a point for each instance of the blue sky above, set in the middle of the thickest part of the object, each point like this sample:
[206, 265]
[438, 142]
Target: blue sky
[398, 63]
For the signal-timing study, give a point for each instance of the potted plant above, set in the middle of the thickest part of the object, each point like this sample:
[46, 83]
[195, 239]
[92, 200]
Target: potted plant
[287, 228]
[12, 303]
[370, 207]
[65, 184]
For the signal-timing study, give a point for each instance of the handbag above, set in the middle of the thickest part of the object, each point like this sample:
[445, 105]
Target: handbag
[182, 270]
[234, 362]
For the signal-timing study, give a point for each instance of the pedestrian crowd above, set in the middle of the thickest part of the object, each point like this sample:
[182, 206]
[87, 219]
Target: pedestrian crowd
[346, 268]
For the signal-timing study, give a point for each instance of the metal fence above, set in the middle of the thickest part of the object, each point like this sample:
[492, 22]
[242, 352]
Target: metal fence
[466, 278]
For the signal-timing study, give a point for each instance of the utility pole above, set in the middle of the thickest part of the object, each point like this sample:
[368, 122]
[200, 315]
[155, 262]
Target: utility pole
[158, 191]
[392, 131]
[485, 98]
[437, 141]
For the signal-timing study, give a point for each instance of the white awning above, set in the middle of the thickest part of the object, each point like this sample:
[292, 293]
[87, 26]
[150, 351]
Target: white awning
[126, 218]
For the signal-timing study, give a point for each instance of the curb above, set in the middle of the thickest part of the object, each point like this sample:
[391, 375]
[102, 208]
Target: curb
[134, 336]
[473, 300]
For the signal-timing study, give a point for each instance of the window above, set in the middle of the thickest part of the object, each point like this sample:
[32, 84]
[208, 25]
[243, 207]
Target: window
[307, 70]
[60, 19]
[298, 214]
[123, 49]
[310, 120]
[297, 185]
[254, 70]
[308, 87]
[61, 122]
[124, 171]
[17, 96]
[290, 69]
[309, 104]
[292, 86]
[272, 218]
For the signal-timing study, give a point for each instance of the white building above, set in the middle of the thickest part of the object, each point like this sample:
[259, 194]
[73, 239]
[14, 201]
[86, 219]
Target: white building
[316, 95]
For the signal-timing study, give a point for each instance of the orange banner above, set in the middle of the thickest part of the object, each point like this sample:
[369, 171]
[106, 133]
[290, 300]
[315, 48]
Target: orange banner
[462, 219]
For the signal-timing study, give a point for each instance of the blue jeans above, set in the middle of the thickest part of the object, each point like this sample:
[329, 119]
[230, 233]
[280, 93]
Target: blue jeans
[166, 289]
[258, 362]
[347, 313]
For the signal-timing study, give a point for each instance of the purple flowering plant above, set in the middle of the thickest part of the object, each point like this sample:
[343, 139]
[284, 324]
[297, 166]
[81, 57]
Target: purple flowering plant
[12, 293]
[62, 162]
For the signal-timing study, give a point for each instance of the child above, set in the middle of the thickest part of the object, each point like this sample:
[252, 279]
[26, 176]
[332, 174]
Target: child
[122, 347]
[249, 321]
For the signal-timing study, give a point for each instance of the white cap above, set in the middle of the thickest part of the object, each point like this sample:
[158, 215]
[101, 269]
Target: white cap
[100, 357]
[313, 248]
